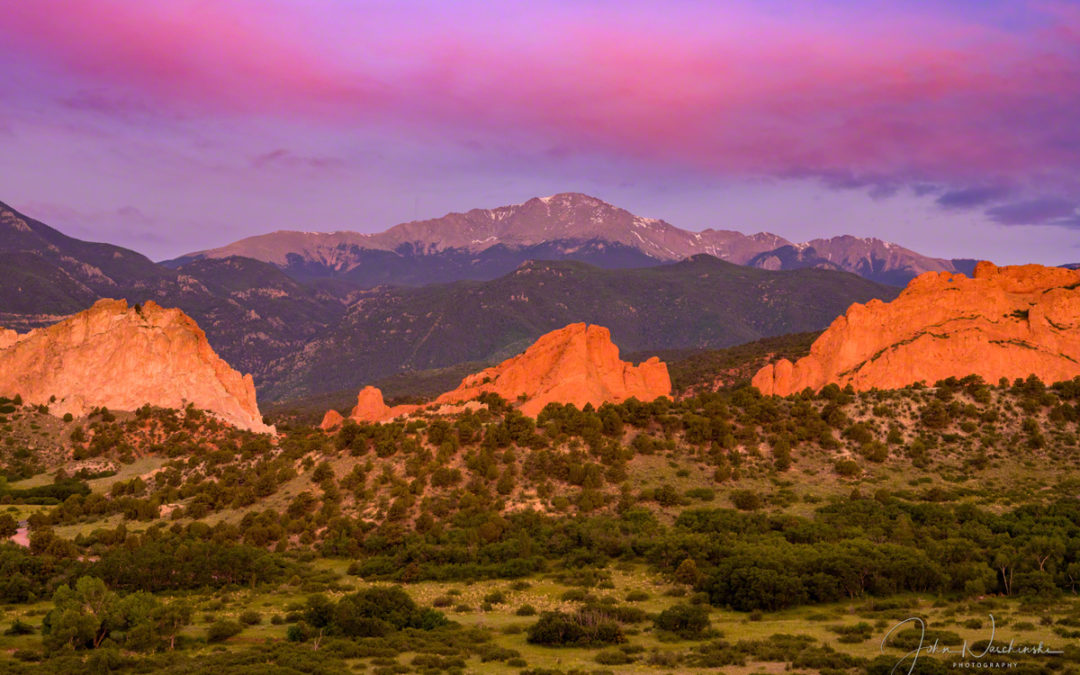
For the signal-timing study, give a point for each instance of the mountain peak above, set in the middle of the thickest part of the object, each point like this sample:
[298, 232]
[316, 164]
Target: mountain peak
[573, 198]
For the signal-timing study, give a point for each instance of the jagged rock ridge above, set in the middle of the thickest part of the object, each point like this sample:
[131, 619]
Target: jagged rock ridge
[1002, 322]
[123, 357]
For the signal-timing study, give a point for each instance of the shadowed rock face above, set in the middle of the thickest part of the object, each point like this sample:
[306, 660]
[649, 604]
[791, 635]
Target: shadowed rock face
[1003, 322]
[577, 364]
[121, 358]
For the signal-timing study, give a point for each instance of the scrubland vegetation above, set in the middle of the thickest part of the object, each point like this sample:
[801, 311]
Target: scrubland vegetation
[722, 531]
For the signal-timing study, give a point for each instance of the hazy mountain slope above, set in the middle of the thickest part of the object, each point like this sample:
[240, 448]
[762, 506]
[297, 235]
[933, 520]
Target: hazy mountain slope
[254, 312]
[251, 311]
[408, 267]
[44, 273]
[698, 303]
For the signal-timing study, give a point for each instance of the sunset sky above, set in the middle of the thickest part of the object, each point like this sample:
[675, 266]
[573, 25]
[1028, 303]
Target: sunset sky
[952, 128]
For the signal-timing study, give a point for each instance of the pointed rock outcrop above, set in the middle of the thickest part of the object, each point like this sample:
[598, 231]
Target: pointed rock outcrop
[577, 364]
[370, 407]
[331, 420]
[1002, 322]
[121, 358]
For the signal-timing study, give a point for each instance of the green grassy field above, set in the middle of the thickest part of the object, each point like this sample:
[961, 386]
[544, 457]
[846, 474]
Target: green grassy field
[651, 649]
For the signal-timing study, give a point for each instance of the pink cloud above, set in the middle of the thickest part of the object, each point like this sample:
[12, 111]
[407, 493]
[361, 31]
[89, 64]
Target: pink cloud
[201, 53]
[898, 98]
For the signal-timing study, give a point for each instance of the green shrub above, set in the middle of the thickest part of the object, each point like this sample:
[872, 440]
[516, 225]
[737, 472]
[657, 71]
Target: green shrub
[686, 621]
[495, 598]
[18, 627]
[746, 500]
[581, 629]
[847, 467]
[222, 630]
[613, 657]
[250, 618]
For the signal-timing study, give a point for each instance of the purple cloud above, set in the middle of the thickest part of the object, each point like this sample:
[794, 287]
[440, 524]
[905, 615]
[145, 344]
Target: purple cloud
[1042, 211]
[970, 197]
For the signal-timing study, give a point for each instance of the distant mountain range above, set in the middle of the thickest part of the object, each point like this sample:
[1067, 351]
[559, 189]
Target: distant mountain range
[323, 334]
[484, 244]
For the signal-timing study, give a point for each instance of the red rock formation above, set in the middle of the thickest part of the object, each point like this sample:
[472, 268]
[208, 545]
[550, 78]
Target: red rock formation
[122, 358]
[331, 420]
[371, 408]
[1003, 322]
[577, 364]
[369, 405]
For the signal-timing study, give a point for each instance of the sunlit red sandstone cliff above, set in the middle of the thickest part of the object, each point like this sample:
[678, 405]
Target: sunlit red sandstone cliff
[1003, 322]
[121, 358]
[577, 364]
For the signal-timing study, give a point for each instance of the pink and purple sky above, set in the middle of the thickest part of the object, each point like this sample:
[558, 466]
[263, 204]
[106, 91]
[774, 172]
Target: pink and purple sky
[950, 127]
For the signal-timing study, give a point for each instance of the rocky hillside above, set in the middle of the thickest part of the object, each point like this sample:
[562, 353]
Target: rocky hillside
[45, 275]
[123, 358]
[1004, 322]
